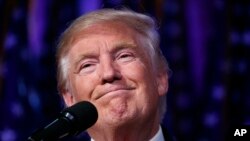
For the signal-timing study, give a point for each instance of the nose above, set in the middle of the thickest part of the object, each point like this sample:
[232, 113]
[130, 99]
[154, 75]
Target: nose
[110, 72]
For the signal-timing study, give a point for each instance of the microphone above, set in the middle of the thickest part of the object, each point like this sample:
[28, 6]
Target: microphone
[71, 121]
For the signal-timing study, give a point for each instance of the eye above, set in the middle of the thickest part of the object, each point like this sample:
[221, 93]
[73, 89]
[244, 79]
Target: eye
[87, 67]
[126, 56]
[84, 66]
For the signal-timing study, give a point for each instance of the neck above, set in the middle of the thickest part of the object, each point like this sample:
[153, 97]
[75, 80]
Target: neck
[132, 132]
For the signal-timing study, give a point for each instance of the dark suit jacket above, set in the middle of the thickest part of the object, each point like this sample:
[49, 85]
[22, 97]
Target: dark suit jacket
[167, 135]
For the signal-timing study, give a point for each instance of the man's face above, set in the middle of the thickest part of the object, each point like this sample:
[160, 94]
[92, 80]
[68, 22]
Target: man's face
[110, 68]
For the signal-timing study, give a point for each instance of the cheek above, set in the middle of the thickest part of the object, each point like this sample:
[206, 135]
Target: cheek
[145, 98]
[83, 87]
[140, 74]
[134, 72]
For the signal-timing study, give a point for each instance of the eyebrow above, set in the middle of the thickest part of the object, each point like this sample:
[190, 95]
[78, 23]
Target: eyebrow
[121, 46]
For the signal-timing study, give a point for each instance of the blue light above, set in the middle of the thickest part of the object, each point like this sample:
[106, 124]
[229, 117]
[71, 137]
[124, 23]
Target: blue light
[218, 92]
[211, 119]
[8, 135]
[34, 101]
[17, 109]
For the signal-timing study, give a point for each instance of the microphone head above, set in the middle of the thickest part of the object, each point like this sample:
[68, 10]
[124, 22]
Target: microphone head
[82, 115]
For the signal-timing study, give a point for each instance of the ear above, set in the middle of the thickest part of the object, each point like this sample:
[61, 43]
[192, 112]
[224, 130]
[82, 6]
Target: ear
[162, 82]
[68, 98]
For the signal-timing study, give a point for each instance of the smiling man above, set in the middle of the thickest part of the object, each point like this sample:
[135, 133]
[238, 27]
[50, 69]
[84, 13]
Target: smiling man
[112, 59]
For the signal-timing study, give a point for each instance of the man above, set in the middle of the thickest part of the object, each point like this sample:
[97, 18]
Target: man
[112, 59]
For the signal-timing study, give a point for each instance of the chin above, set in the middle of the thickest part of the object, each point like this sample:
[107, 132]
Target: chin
[120, 121]
[118, 111]
[120, 116]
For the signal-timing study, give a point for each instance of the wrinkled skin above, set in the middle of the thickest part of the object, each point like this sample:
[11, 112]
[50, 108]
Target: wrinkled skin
[110, 68]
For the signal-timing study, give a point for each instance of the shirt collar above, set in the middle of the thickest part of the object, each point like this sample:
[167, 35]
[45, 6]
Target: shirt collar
[158, 136]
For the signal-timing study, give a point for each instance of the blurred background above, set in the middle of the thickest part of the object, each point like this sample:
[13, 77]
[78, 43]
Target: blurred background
[206, 42]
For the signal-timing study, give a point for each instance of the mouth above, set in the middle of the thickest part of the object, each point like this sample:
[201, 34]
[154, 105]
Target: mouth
[114, 91]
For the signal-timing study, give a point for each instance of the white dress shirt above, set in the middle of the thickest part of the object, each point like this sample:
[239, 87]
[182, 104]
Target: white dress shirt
[158, 136]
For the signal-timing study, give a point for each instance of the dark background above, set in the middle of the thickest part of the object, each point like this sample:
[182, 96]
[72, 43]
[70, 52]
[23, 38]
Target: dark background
[206, 42]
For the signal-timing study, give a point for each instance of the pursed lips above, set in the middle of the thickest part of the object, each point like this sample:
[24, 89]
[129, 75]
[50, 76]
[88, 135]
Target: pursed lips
[113, 89]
